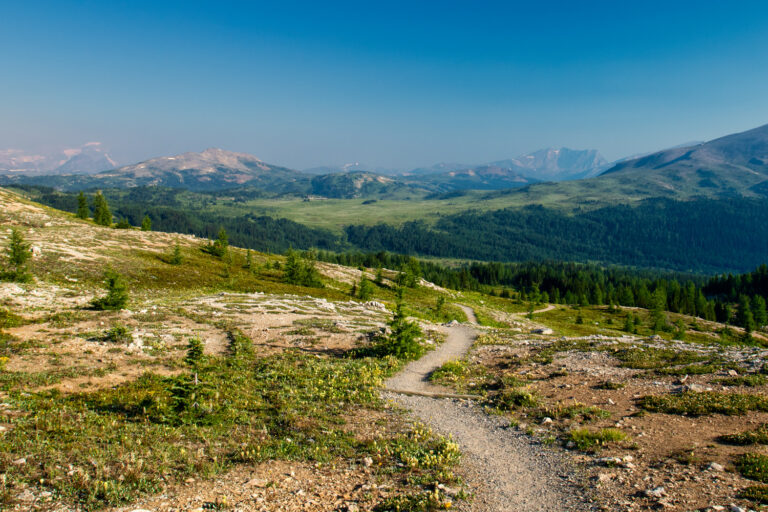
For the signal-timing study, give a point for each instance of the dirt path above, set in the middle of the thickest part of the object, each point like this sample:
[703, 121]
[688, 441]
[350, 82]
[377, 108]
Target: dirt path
[505, 468]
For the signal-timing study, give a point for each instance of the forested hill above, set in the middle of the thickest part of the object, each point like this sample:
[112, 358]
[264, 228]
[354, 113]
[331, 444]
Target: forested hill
[699, 236]
[705, 235]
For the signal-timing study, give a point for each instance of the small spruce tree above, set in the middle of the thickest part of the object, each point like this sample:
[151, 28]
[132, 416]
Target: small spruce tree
[629, 323]
[117, 292]
[101, 212]
[83, 212]
[176, 257]
[146, 223]
[195, 351]
[248, 260]
[365, 290]
[759, 312]
[17, 254]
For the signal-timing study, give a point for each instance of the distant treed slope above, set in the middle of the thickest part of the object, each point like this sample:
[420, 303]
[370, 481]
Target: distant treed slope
[704, 235]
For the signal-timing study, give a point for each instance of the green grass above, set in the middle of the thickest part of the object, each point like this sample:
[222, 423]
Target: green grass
[753, 466]
[755, 436]
[647, 358]
[515, 398]
[451, 372]
[756, 493]
[610, 385]
[707, 402]
[593, 440]
[108, 447]
[750, 381]
[574, 411]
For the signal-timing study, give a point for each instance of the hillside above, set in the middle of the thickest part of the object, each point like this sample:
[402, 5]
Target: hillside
[732, 165]
[222, 386]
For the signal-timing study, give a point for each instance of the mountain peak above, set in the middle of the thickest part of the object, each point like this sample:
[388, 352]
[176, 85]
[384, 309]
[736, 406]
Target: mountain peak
[89, 158]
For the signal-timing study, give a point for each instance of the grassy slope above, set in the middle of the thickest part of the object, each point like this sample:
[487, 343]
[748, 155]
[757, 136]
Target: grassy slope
[334, 214]
[123, 422]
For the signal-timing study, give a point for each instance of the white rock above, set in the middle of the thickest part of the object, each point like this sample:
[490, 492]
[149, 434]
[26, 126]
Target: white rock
[735, 508]
[20, 462]
[657, 492]
[368, 462]
[714, 466]
[546, 421]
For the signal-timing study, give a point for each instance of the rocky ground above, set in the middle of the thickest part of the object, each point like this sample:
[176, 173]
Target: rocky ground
[561, 417]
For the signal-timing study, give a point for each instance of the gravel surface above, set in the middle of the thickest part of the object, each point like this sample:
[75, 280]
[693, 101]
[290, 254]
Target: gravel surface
[507, 470]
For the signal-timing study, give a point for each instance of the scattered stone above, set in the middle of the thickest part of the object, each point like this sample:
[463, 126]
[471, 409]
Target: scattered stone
[604, 477]
[696, 388]
[546, 421]
[20, 462]
[714, 466]
[368, 462]
[735, 508]
[657, 492]
[375, 305]
[256, 482]
[543, 330]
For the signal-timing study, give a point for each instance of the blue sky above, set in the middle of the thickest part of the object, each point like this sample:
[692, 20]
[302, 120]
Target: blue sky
[392, 84]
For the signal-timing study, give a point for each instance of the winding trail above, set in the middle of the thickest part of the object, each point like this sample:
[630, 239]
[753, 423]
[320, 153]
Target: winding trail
[507, 469]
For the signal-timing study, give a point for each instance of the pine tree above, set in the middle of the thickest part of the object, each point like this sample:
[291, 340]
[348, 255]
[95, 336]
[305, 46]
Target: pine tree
[440, 304]
[248, 259]
[379, 279]
[83, 212]
[176, 257]
[146, 223]
[101, 213]
[365, 290]
[18, 254]
[744, 316]
[629, 323]
[658, 304]
[220, 246]
[759, 311]
[117, 292]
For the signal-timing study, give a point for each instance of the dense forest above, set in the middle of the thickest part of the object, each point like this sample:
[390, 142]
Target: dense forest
[703, 236]
[696, 236]
[739, 299]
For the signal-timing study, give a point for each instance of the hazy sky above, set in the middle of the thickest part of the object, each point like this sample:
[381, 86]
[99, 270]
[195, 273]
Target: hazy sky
[393, 84]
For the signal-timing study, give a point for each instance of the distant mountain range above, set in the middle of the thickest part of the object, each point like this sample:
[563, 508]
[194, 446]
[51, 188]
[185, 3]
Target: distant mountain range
[732, 165]
[86, 159]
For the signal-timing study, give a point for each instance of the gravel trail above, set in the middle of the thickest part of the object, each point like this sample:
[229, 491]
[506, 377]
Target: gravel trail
[507, 470]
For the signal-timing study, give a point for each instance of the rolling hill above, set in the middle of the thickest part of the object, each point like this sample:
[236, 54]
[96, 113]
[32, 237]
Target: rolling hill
[732, 165]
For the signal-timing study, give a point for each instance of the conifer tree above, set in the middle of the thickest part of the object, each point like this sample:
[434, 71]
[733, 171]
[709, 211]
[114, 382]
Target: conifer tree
[117, 292]
[176, 257]
[17, 254]
[101, 213]
[83, 212]
[248, 259]
[146, 223]
[744, 314]
[759, 311]
[365, 290]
